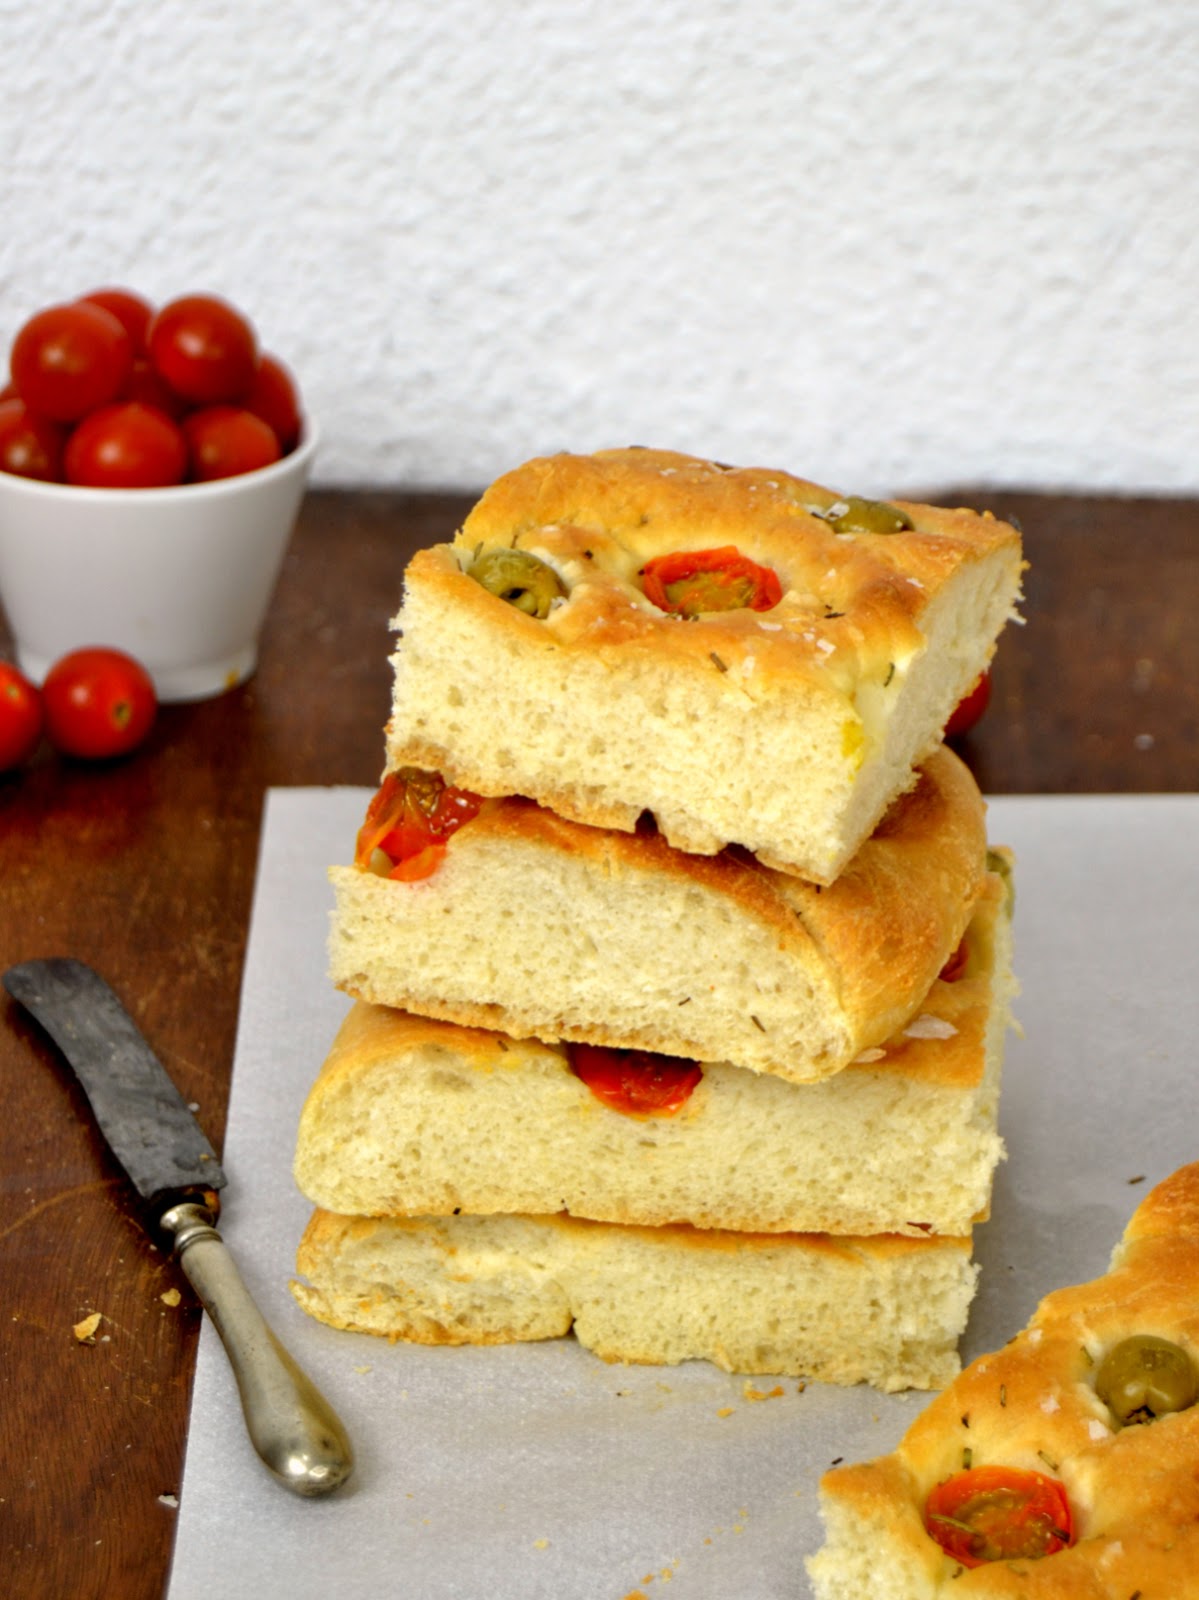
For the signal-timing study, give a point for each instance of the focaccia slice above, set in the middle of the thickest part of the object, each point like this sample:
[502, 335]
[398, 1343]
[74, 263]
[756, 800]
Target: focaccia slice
[787, 729]
[1051, 1403]
[884, 1311]
[539, 927]
[414, 1117]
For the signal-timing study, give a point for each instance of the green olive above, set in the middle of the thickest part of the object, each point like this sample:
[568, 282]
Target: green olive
[1001, 865]
[1144, 1377]
[854, 515]
[524, 581]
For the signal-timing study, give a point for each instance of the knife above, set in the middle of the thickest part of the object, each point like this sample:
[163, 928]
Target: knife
[171, 1164]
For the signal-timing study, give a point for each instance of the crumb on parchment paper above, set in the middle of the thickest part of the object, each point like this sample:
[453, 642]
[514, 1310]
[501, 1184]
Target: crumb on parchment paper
[170, 1297]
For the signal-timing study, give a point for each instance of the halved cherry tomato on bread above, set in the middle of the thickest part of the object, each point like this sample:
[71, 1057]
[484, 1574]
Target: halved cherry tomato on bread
[20, 717]
[410, 819]
[955, 967]
[692, 582]
[970, 707]
[999, 1514]
[637, 1082]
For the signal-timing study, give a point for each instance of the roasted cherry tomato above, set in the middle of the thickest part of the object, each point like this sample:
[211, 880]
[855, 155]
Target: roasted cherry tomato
[692, 582]
[225, 441]
[67, 360]
[126, 446]
[637, 1082]
[970, 708]
[130, 310]
[275, 398]
[999, 1514]
[98, 702]
[30, 446]
[20, 717]
[205, 349]
[409, 821]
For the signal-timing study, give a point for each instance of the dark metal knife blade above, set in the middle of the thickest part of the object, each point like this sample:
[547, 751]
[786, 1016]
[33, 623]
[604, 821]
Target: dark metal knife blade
[157, 1140]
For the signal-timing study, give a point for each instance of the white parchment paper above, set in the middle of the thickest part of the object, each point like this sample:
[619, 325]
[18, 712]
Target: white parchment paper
[537, 1471]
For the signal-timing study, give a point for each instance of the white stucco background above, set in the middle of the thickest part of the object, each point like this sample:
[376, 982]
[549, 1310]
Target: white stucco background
[889, 243]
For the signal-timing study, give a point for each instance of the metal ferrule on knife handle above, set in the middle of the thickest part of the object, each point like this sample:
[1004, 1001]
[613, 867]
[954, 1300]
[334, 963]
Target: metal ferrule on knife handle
[291, 1425]
[152, 1132]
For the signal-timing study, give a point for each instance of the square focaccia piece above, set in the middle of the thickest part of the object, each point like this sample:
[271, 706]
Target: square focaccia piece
[749, 658]
[539, 927]
[1063, 1467]
[884, 1310]
[413, 1117]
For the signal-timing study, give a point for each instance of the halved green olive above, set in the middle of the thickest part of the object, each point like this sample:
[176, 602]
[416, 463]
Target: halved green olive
[854, 515]
[524, 581]
[1145, 1377]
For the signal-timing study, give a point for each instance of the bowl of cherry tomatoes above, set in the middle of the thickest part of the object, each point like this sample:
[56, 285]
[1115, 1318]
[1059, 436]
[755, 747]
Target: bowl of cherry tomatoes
[152, 464]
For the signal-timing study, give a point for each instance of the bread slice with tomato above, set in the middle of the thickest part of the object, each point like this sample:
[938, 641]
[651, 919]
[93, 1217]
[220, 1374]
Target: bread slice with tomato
[1065, 1465]
[743, 656]
[411, 1116]
[884, 1310]
[526, 923]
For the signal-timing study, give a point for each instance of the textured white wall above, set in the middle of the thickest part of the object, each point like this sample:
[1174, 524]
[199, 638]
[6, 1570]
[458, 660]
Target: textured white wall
[891, 245]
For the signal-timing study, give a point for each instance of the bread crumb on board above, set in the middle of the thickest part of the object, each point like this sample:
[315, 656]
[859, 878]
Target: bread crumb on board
[85, 1331]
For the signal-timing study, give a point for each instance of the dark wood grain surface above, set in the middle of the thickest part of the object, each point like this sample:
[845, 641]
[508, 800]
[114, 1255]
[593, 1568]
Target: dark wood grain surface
[145, 868]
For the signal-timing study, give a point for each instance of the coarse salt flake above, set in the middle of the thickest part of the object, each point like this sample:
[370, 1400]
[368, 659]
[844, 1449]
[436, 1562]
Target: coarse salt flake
[1050, 1404]
[825, 646]
[866, 1056]
[1097, 1430]
[926, 1026]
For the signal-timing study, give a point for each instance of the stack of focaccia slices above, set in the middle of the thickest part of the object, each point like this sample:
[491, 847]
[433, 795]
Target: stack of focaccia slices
[1064, 1466]
[682, 964]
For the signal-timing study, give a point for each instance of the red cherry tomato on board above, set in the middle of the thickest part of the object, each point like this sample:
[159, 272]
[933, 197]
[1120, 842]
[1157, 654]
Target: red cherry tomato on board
[30, 446]
[130, 310]
[225, 441]
[205, 349]
[635, 1082]
[275, 398]
[970, 708]
[20, 717]
[98, 703]
[67, 360]
[126, 446]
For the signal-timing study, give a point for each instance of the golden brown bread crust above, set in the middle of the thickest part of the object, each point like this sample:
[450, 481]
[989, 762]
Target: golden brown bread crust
[607, 687]
[879, 935]
[1134, 1491]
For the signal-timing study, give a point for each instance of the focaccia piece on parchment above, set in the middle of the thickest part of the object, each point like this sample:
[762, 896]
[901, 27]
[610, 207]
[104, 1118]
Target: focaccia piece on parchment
[1045, 1404]
[787, 730]
[412, 1116]
[884, 1310]
[539, 927]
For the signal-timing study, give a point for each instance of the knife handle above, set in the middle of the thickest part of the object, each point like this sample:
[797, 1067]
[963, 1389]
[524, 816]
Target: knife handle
[291, 1424]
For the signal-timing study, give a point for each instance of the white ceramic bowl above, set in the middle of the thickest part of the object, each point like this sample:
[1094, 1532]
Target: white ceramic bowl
[179, 578]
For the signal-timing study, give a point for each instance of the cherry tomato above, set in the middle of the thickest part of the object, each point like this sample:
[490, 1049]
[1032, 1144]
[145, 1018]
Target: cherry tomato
[30, 446]
[225, 441]
[955, 967]
[145, 386]
[998, 1514]
[67, 360]
[970, 708]
[126, 446]
[205, 349]
[275, 398]
[21, 717]
[130, 310]
[635, 1082]
[691, 582]
[410, 819]
[99, 703]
